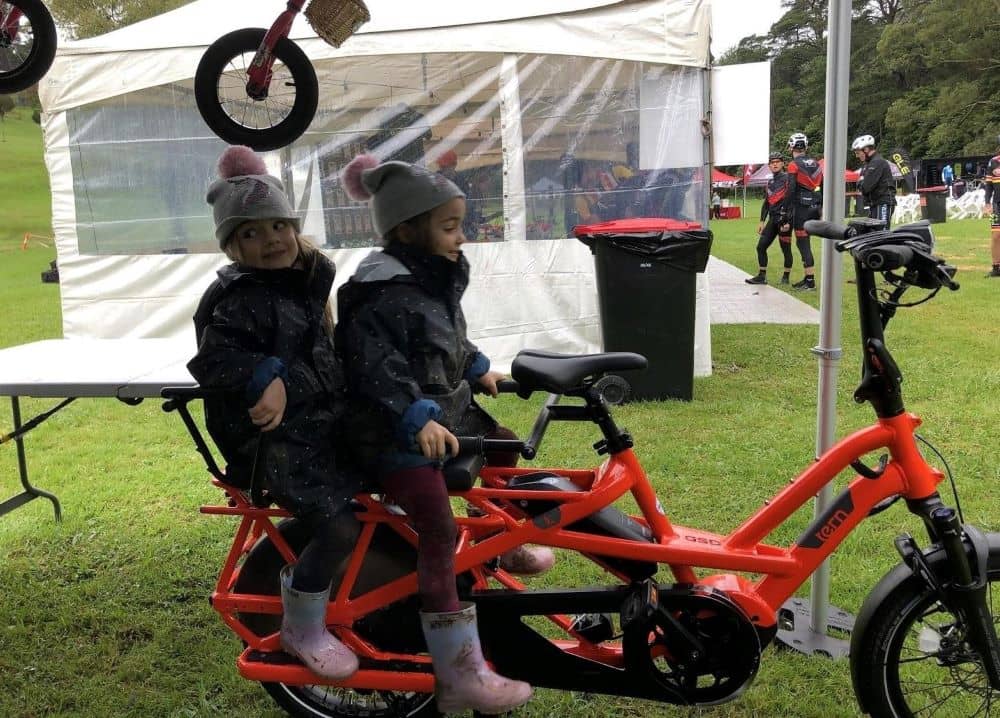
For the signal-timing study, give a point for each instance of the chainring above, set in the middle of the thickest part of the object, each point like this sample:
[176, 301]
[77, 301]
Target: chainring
[694, 641]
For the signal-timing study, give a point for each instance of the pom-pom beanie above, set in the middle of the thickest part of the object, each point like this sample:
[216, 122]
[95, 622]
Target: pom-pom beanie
[398, 191]
[244, 192]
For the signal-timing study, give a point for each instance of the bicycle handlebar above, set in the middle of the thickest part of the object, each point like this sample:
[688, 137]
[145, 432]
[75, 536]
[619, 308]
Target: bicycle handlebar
[827, 230]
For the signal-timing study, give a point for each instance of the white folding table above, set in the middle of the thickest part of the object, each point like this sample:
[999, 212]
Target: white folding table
[125, 369]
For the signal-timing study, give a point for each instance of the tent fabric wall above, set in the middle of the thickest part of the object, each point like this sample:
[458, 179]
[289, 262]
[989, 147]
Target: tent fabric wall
[111, 102]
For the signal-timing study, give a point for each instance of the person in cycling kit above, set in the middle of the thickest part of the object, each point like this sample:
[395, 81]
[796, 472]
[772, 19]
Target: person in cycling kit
[991, 186]
[804, 179]
[775, 221]
[877, 187]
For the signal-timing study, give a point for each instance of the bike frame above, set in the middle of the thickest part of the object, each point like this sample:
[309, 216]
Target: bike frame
[481, 539]
[260, 69]
[11, 23]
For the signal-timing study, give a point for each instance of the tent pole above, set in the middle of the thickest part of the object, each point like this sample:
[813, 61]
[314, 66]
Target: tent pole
[838, 57]
[811, 620]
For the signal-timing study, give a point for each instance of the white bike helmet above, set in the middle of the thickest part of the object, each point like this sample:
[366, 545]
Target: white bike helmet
[798, 141]
[863, 141]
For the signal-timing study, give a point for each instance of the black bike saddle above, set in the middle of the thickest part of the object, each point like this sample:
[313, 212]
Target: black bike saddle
[536, 370]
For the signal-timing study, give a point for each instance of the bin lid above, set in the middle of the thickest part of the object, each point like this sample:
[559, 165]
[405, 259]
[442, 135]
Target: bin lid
[635, 225]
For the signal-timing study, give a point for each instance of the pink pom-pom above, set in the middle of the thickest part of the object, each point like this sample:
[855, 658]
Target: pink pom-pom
[240, 160]
[350, 176]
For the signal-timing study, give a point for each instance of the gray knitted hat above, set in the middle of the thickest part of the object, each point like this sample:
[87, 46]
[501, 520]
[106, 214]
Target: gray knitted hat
[398, 190]
[244, 192]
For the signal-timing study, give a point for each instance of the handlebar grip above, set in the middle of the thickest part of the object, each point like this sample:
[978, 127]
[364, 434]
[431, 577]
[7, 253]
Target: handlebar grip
[470, 445]
[822, 228]
[508, 386]
[479, 445]
[885, 258]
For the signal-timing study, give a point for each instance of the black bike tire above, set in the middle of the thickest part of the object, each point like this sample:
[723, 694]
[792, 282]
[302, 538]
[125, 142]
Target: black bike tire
[877, 654]
[211, 68]
[259, 574]
[42, 53]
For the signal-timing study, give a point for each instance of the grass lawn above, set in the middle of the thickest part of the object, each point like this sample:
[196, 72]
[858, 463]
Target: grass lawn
[105, 614]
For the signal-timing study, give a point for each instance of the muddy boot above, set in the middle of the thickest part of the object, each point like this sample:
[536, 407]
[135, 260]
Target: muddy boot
[462, 680]
[528, 560]
[304, 634]
[523, 560]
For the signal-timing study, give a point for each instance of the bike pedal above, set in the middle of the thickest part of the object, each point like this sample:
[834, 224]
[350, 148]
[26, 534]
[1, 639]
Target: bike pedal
[640, 604]
[593, 627]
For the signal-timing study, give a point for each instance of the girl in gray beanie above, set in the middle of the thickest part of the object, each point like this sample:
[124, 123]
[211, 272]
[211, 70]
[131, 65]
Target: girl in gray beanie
[410, 367]
[265, 345]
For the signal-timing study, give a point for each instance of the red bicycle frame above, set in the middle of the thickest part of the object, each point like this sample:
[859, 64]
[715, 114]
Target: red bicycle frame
[11, 24]
[260, 70]
[781, 569]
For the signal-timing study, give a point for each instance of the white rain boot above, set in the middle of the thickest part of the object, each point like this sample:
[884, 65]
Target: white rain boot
[304, 634]
[462, 680]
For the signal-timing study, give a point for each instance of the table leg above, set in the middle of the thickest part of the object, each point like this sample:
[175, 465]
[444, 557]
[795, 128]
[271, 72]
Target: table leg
[30, 493]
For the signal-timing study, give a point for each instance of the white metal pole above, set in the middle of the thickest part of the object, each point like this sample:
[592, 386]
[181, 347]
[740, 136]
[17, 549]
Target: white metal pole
[838, 55]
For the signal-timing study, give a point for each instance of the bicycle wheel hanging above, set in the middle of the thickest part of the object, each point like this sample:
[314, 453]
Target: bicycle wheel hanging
[267, 124]
[27, 44]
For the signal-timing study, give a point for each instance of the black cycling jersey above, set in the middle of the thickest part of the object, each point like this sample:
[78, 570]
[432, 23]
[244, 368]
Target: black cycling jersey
[776, 199]
[877, 187]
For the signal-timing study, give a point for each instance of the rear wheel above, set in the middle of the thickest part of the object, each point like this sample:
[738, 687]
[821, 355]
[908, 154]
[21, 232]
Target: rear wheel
[396, 628]
[220, 90]
[27, 44]
[914, 659]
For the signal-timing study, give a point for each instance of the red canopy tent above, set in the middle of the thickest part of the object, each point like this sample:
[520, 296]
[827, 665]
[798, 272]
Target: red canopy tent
[849, 175]
[721, 179]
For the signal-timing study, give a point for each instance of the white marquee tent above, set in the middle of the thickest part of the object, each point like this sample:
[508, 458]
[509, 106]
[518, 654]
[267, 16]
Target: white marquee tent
[535, 98]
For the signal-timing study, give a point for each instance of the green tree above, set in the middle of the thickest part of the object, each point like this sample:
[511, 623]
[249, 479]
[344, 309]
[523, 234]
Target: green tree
[86, 18]
[925, 74]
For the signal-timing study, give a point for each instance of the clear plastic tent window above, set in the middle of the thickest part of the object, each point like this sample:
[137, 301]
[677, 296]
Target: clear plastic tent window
[539, 143]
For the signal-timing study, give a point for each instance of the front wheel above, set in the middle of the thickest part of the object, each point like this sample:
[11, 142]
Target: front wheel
[914, 661]
[27, 44]
[276, 120]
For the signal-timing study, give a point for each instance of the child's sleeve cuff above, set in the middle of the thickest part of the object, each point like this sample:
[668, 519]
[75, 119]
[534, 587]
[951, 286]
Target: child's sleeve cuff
[264, 373]
[480, 365]
[415, 418]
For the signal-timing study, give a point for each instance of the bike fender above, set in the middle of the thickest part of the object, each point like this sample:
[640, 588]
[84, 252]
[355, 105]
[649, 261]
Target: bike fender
[896, 577]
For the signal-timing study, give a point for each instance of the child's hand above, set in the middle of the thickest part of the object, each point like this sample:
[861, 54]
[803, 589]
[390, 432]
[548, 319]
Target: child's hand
[489, 382]
[434, 440]
[269, 410]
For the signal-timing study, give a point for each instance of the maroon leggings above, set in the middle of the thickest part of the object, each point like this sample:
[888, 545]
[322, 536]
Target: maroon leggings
[421, 493]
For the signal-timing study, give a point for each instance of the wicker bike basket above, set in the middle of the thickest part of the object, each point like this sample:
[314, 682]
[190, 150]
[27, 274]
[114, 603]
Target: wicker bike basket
[336, 20]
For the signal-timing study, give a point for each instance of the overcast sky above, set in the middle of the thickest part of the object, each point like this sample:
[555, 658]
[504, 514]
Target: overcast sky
[732, 20]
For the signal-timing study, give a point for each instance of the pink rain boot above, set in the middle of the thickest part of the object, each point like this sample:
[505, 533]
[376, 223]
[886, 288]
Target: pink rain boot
[462, 680]
[523, 560]
[304, 634]
[528, 560]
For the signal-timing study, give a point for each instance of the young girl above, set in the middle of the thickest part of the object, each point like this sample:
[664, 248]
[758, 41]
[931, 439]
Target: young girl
[264, 332]
[409, 367]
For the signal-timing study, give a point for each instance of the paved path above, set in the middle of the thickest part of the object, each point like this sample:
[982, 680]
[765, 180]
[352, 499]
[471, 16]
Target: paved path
[733, 301]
